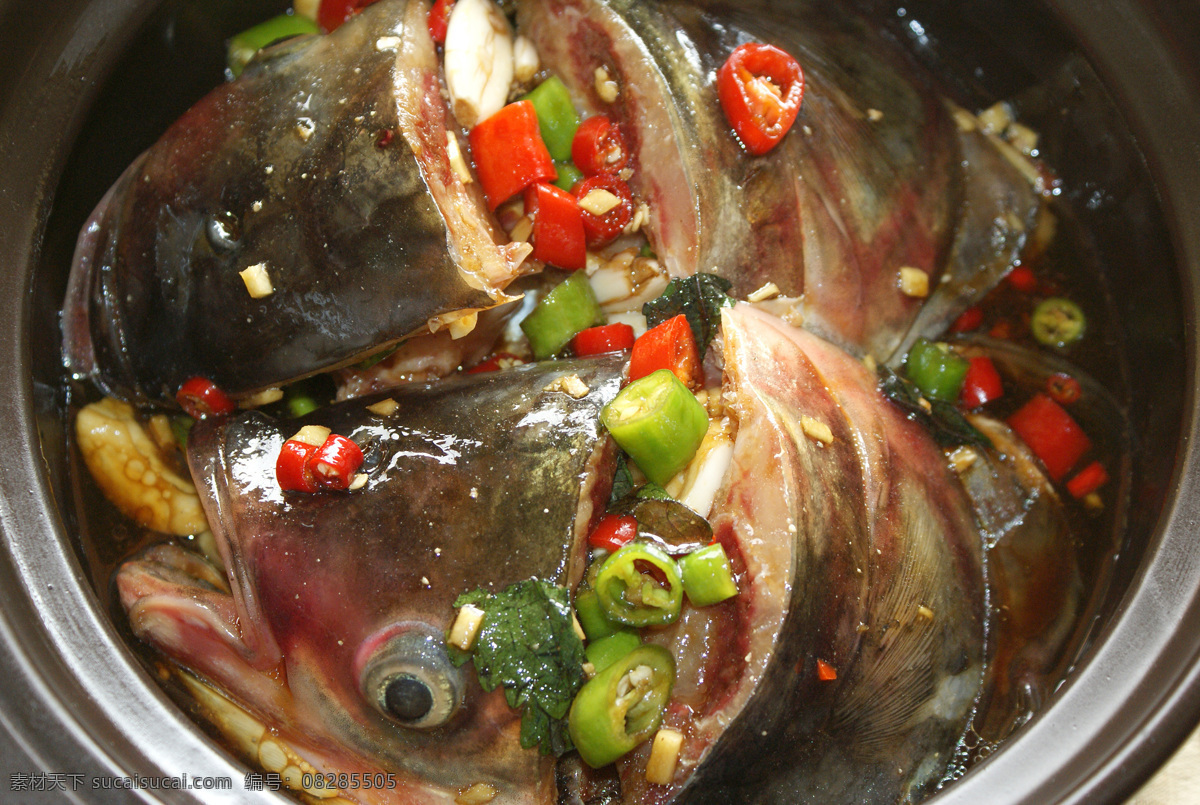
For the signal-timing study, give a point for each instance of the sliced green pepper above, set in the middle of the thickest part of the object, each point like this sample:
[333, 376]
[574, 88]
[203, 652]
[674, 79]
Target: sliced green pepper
[707, 576]
[596, 625]
[658, 422]
[621, 706]
[557, 118]
[568, 175]
[241, 48]
[1057, 322]
[570, 307]
[640, 585]
[607, 650]
[936, 370]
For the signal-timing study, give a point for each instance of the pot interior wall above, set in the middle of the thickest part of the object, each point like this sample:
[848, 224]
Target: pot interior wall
[985, 50]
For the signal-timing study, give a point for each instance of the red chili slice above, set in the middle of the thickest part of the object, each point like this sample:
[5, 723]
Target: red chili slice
[1088, 480]
[509, 153]
[613, 532]
[557, 237]
[495, 363]
[1023, 279]
[604, 229]
[760, 87]
[605, 338]
[598, 147]
[333, 13]
[334, 463]
[670, 345]
[292, 467]
[1063, 388]
[199, 397]
[439, 18]
[968, 320]
[825, 671]
[1051, 433]
[981, 384]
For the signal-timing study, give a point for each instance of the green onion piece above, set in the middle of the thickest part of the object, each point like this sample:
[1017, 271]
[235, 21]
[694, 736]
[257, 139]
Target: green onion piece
[596, 625]
[568, 175]
[181, 426]
[658, 422]
[646, 251]
[607, 650]
[557, 118]
[241, 48]
[301, 404]
[936, 370]
[707, 576]
[608, 718]
[1057, 322]
[569, 308]
[640, 585]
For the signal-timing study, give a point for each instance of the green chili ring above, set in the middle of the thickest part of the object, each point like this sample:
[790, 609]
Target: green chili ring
[936, 370]
[609, 718]
[1057, 322]
[629, 596]
[707, 576]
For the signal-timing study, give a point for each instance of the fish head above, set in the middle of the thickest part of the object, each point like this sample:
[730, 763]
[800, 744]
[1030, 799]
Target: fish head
[332, 629]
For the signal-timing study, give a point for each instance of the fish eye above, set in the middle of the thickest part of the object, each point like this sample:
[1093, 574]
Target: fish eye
[410, 679]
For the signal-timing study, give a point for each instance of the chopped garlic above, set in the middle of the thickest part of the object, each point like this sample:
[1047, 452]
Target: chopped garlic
[384, 407]
[599, 201]
[924, 612]
[306, 8]
[606, 88]
[664, 755]
[874, 115]
[570, 385]
[478, 60]
[768, 291]
[1023, 138]
[966, 121]
[816, 430]
[458, 163]
[962, 458]
[577, 626]
[305, 128]
[466, 627]
[641, 216]
[478, 794]
[358, 481]
[264, 397]
[387, 43]
[258, 282]
[914, 282]
[525, 59]
[996, 118]
[522, 229]
[312, 434]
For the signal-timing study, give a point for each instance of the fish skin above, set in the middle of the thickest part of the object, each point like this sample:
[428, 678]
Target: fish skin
[320, 582]
[364, 243]
[881, 530]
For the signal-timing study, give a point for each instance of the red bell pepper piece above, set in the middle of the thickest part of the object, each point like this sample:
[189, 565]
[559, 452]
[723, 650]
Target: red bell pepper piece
[1063, 388]
[1023, 279]
[605, 338]
[334, 463]
[439, 19]
[557, 237]
[604, 229]
[292, 467]
[670, 345]
[333, 13]
[825, 671]
[613, 532]
[981, 384]
[1088, 480]
[199, 397]
[1051, 433]
[968, 320]
[760, 87]
[509, 153]
[598, 147]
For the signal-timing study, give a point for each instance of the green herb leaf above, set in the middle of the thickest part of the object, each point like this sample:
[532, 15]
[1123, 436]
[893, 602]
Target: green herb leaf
[700, 297]
[944, 421]
[528, 644]
[622, 480]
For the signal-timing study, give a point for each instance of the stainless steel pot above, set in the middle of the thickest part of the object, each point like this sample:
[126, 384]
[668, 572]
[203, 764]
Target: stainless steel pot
[74, 700]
